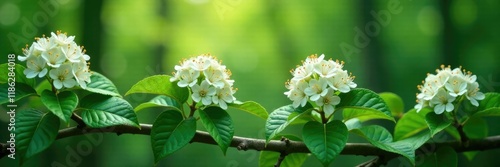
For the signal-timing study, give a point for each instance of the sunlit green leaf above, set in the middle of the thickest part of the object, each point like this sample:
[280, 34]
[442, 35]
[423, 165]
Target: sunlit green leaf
[269, 158]
[279, 119]
[62, 105]
[410, 124]
[35, 131]
[394, 102]
[325, 141]
[381, 138]
[170, 132]
[219, 125]
[160, 85]
[364, 114]
[251, 107]
[103, 111]
[437, 122]
[20, 91]
[363, 103]
[353, 124]
[102, 85]
[159, 101]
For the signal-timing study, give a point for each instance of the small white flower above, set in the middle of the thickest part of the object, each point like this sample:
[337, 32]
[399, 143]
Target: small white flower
[328, 102]
[456, 85]
[81, 74]
[429, 90]
[297, 94]
[313, 59]
[214, 77]
[28, 52]
[188, 78]
[35, 66]
[62, 76]
[473, 93]
[316, 89]
[419, 105]
[54, 57]
[223, 96]
[44, 44]
[302, 72]
[200, 63]
[203, 93]
[442, 101]
[61, 38]
[325, 69]
[342, 81]
[72, 52]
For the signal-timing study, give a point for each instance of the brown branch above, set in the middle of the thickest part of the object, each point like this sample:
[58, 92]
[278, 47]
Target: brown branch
[243, 143]
[78, 120]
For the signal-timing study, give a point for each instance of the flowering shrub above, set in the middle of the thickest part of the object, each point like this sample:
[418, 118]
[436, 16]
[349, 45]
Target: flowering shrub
[60, 57]
[208, 79]
[325, 101]
[441, 90]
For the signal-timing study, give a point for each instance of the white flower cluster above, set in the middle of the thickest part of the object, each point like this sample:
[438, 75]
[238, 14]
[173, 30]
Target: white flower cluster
[61, 57]
[320, 81]
[208, 79]
[441, 90]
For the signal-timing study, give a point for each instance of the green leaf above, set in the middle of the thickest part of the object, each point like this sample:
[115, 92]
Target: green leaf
[476, 128]
[394, 102]
[170, 133]
[102, 111]
[18, 70]
[490, 100]
[279, 119]
[269, 158]
[444, 156]
[410, 124]
[102, 85]
[359, 98]
[251, 107]
[489, 106]
[161, 85]
[364, 114]
[42, 86]
[219, 125]
[21, 91]
[159, 101]
[381, 138]
[437, 122]
[35, 131]
[62, 105]
[325, 141]
[490, 112]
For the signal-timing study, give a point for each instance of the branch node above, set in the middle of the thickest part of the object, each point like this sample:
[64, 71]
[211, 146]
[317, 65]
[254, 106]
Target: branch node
[78, 120]
[242, 146]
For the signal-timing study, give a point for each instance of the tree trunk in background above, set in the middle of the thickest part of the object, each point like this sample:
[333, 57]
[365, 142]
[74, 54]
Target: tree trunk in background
[92, 32]
[450, 43]
[160, 49]
[374, 61]
[92, 41]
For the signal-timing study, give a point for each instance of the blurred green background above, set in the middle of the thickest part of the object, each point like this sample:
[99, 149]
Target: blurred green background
[389, 45]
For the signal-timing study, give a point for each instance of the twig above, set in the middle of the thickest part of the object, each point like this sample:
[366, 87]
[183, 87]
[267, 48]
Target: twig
[78, 120]
[364, 149]
[280, 159]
